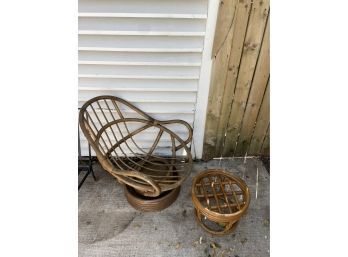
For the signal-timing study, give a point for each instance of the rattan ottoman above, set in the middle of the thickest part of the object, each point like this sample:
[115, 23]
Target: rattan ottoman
[220, 200]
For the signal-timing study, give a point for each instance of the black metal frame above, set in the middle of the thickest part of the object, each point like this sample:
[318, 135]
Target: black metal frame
[84, 159]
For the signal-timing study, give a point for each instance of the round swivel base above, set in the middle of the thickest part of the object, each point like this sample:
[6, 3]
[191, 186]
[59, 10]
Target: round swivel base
[150, 204]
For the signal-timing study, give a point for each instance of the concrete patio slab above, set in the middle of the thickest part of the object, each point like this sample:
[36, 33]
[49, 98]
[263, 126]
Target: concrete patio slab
[109, 226]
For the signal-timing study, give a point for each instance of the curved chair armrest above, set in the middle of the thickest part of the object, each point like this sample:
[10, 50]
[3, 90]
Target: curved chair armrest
[139, 175]
[184, 123]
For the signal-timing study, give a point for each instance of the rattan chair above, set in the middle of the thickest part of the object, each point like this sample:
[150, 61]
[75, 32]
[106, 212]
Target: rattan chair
[138, 150]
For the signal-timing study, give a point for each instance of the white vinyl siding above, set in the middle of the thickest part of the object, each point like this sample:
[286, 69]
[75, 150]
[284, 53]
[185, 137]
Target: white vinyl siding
[146, 52]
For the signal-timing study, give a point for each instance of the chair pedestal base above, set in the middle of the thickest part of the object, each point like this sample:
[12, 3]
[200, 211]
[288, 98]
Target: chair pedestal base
[150, 204]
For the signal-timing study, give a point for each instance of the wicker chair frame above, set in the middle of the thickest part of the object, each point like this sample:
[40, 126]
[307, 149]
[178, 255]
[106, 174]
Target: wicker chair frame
[112, 125]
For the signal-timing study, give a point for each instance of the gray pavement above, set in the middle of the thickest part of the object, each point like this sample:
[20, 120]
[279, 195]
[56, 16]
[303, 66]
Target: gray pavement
[109, 226]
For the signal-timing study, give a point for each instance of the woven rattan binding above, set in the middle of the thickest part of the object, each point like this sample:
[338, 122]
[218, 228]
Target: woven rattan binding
[116, 130]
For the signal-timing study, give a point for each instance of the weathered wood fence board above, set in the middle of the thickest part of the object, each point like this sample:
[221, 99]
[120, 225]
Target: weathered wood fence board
[265, 146]
[225, 70]
[261, 126]
[259, 84]
[241, 22]
[225, 18]
[239, 80]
